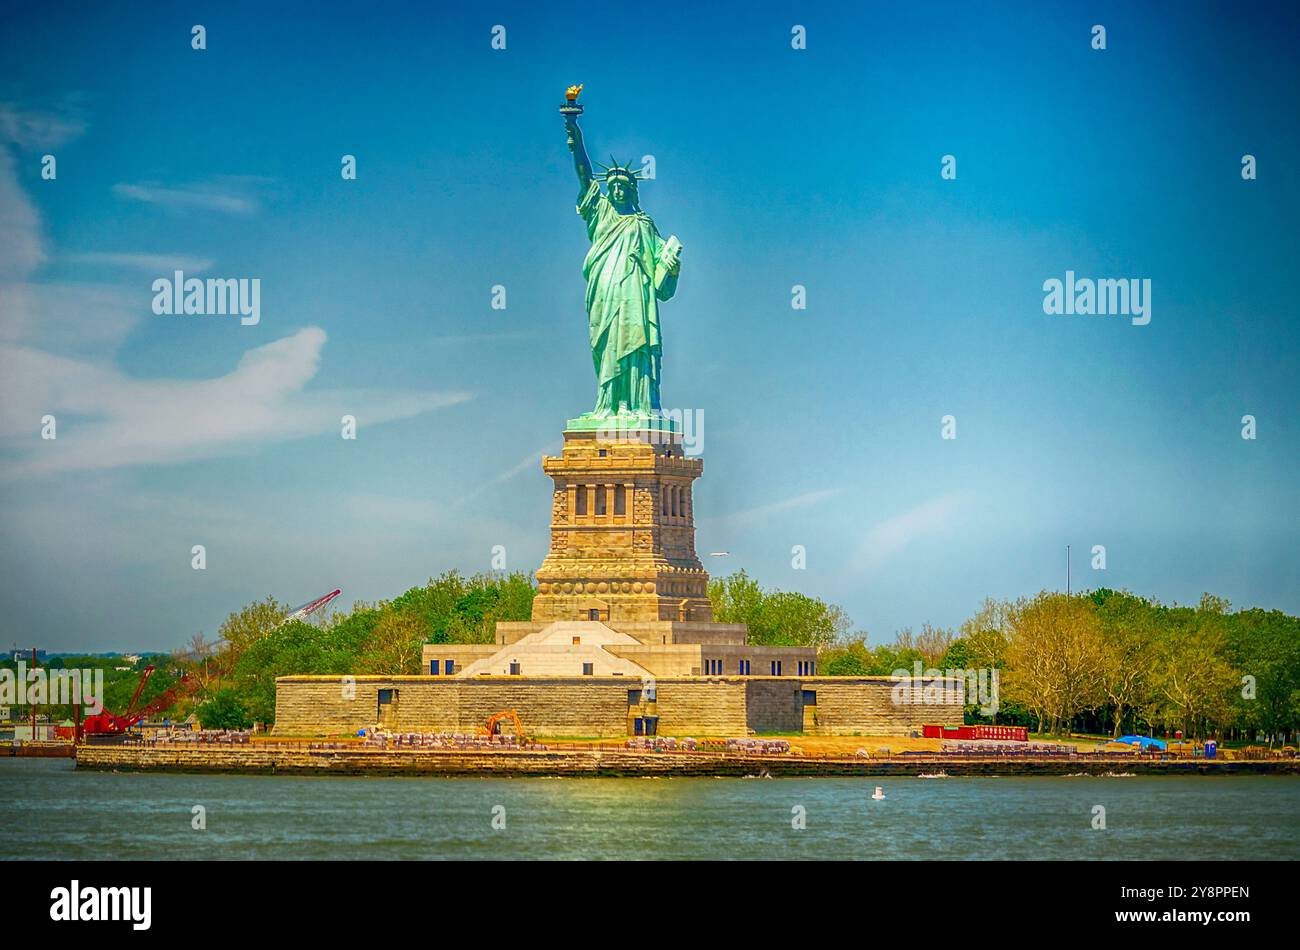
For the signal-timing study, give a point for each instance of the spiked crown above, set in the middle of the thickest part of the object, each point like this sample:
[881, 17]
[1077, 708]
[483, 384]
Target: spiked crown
[615, 171]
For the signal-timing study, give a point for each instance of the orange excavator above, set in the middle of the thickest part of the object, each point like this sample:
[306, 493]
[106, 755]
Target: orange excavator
[493, 726]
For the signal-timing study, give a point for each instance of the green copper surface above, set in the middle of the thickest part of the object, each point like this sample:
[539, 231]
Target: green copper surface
[630, 269]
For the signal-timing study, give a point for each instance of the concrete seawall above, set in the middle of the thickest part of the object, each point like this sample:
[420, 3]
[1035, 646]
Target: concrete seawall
[625, 762]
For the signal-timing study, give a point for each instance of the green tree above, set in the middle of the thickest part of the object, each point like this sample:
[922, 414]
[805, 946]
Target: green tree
[776, 618]
[929, 645]
[298, 648]
[1130, 632]
[225, 710]
[394, 647]
[453, 609]
[1263, 647]
[245, 627]
[847, 658]
[987, 635]
[1055, 658]
[1193, 672]
[433, 604]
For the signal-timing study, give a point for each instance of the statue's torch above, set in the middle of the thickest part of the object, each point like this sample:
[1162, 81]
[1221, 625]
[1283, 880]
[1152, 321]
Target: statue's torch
[571, 109]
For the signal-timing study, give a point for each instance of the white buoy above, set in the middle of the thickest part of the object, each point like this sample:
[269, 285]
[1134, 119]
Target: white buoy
[879, 794]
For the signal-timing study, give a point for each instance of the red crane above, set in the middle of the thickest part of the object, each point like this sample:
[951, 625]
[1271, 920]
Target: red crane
[105, 723]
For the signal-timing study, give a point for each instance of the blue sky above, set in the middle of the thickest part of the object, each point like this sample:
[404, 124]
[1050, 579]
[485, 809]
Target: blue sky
[775, 167]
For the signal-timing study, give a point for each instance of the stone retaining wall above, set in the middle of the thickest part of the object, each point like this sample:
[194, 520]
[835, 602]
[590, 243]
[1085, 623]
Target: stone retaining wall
[321, 705]
[869, 706]
[623, 762]
[598, 706]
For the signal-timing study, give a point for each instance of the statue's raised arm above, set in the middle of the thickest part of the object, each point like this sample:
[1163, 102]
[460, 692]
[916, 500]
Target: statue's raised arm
[581, 163]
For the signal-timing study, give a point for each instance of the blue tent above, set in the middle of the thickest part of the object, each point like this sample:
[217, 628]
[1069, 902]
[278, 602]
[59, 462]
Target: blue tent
[1145, 741]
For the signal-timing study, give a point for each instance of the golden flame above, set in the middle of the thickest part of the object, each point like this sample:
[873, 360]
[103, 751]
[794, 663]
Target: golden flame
[572, 92]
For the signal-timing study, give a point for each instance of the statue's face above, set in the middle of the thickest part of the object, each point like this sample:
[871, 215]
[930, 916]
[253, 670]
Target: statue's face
[621, 195]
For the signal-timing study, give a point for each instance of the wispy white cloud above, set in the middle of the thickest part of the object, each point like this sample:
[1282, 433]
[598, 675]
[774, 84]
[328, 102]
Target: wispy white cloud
[67, 318]
[62, 317]
[206, 197]
[29, 128]
[58, 341]
[739, 519]
[891, 536]
[22, 247]
[111, 420]
[162, 264]
[530, 462]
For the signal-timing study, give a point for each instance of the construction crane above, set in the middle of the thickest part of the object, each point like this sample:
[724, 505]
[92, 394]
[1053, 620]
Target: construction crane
[302, 611]
[104, 724]
[108, 725]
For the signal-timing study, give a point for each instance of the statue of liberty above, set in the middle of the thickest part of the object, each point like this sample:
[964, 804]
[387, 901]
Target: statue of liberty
[629, 270]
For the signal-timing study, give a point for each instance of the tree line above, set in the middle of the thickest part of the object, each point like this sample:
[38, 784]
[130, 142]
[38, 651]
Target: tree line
[1101, 662]
[255, 645]
[1111, 662]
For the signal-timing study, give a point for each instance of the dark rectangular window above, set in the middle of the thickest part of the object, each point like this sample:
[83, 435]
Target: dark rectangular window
[620, 500]
[587, 669]
[514, 669]
[580, 500]
[385, 697]
[634, 697]
[433, 667]
[810, 697]
[600, 499]
[449, 667]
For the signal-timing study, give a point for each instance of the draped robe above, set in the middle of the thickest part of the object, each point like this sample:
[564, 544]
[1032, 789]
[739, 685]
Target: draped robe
[622, 269]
